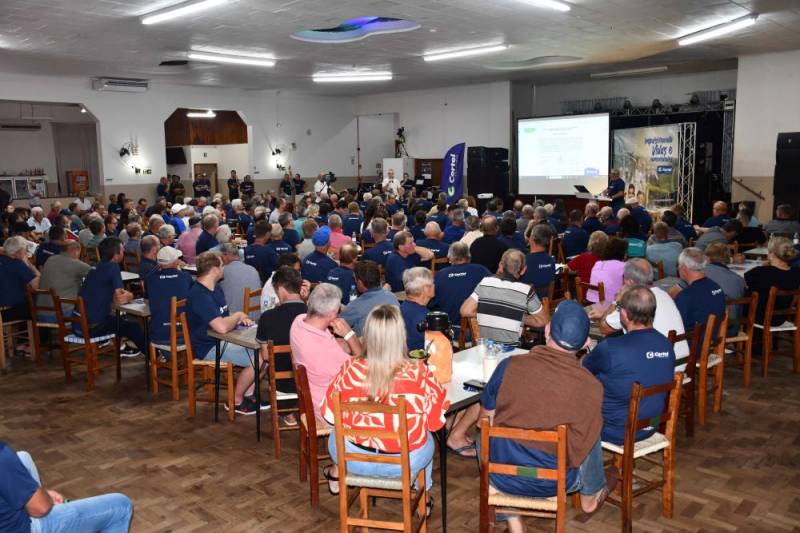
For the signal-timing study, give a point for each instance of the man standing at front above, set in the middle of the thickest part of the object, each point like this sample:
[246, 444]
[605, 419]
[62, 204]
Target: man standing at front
[615, 191]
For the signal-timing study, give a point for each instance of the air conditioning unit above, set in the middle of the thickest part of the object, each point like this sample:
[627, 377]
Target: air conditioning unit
[10, 126]
[124, 85]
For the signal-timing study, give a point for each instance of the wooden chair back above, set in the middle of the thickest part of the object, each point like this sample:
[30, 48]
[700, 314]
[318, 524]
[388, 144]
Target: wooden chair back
[659, 266]
[688, 366]
[249, 306]
[309, 435]
[786, 305]
[37, 303]
[789, 306]
[581, 287]
[272, 354]
[556, 438]
[90, 255]
[468, 324]
[439, 263]
[745, 326]
[131, 260]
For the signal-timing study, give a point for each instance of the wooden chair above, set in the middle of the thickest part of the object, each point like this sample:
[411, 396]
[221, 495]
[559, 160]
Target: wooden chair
[492, 499]
[711, 360]
[381, 487]
[9, 333]
[310, 435]
[272, 353]
[743, 340]
[555, 249]
[443, 261]
[90, 255]
[131, 261]
[688, 366]
[249, 307]
[625, 456]
[176, 364]
[789, 326]
[581, 287]
[36, 324]
[206, 369]
[659, 270]
[92, 347]
[470, 323]
[733, 248]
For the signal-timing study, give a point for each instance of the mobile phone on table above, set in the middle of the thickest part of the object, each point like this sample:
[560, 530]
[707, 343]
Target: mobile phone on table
[474, 385]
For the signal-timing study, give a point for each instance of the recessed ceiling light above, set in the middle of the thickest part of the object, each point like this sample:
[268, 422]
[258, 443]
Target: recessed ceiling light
[350, 77]
[629, 72]
[550, 4]
[465, 53]
[718, 30]
[196, 114]
[83, 109]
[234, 60]
[180, 10]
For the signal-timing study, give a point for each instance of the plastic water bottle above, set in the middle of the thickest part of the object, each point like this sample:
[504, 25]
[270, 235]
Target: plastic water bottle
[355, 242]
[353, 292]
[796, 239]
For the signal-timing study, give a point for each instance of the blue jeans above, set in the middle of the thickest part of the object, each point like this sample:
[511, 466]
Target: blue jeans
[418, 459]
[231, 353]
[109, 513]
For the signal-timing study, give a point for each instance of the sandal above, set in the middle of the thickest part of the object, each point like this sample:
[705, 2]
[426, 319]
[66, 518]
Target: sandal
[326, 473]
[462, 451]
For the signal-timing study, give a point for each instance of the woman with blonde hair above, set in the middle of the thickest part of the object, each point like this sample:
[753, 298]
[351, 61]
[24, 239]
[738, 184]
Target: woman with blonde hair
[384, 373]
[777, 272]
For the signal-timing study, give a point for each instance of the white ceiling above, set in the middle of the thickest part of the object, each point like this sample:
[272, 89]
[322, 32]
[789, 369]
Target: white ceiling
[105, 38]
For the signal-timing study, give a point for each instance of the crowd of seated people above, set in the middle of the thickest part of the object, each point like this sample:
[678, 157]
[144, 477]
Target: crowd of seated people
[350, 275]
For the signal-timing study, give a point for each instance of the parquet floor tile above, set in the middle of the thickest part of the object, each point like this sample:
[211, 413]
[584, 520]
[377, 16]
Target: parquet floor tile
[740, 473]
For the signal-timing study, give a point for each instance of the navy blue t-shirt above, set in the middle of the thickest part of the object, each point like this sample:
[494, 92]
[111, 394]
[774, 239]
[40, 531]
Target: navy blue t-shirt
[379, 252]
[275, 249]
[509, 451]
[205, 242]
[45, 251]
[699, 300]
[258, 257]
[291, 237]
[455, 284]
[247, 187]
[575, 241]
[98, 289]
[612, 227]
[418, 232]
[541, 271]
[396, 265]
[439, 248]
[517, 241]
[351, 224]
[366, 236]
[614, 187]
[391, 209]
[342, 277]
[203, 306]
[643, 218]
[453, 233]
[592, 224]
[645, 356]
[718, 220]
[161, 286]
[14, 276]
[441, 219]
[17, 486]
[316, 266]
[413, 314]
[244, 221]
[556, 223]
[147, 267]
[686, 229]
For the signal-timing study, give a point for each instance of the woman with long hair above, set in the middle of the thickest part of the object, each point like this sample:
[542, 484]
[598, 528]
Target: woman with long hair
[384, 373]
[777, 272]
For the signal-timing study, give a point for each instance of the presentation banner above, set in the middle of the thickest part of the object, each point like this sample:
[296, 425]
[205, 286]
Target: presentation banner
[649, 161]
[453, 173]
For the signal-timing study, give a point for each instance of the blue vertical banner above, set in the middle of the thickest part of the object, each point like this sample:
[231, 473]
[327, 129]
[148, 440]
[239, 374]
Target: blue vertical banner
[453, 173]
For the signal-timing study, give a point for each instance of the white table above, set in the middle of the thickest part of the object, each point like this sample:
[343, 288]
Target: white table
[762, 251]
[129, 276]
[744, 268]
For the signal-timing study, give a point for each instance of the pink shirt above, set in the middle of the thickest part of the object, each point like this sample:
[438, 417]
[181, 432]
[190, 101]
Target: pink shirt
[337, 240]
[610, 274]
[318, 351]
[187, 243]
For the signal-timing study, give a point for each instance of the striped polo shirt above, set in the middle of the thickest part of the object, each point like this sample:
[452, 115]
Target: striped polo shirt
[502, 305]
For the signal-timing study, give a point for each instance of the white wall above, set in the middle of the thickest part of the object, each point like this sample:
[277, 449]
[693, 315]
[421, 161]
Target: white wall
[767, 103]
[376, 134]
[436, 119]
[23, 150]
[546, 99]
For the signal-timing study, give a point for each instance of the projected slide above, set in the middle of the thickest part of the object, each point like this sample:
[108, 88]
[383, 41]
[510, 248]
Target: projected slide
[555, 153]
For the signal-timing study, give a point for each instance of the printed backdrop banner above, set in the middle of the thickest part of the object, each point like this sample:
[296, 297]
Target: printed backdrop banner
[649, 161]
[453, 173]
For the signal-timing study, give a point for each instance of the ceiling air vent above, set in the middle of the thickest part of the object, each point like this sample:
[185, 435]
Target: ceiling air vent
[20, 127]
[125, 85]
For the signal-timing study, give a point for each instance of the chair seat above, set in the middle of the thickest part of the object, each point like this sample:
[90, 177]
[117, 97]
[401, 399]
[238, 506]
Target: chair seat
[203, 362]
[713, 360]
[281, 396]
[655, 442]
[167, 348]
[501, 499]
[374, 482]
[740, 337]
[786, 326]
[75, 339]
[323, 431]
[47, 325]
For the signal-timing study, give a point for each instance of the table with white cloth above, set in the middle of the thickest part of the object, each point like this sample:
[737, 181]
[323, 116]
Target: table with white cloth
[745, 267]
[759, 252]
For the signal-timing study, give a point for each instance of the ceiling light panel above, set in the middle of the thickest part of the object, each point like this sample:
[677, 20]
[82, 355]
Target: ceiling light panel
[468, 52]
[229, 59]
[180, 10]
[719, 30]
[351, 77]
[549, 4]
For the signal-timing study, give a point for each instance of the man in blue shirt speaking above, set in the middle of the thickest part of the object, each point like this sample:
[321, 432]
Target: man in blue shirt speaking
[615, 190]
[642, 354]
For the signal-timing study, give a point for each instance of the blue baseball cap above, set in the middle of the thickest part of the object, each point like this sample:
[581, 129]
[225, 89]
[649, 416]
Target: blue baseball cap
[569, 325]
[321, 237]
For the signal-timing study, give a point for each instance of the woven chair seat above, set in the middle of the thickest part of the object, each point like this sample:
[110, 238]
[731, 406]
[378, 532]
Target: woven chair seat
[47, 325]
[323, 431]
[501, 499]
[786, 326]
[740, 337]
[203, 362]
[167, 348]
[375, 482]
[75, 339]
[655, 442]
[713, 360]
[281, 396]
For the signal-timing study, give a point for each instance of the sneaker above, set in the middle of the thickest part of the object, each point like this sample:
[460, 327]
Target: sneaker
[128, 351]
[289, 420]
[247, 407]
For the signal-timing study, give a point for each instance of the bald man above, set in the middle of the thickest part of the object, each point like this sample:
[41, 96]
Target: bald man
[488, 249]
[433, 240]
[719, 215]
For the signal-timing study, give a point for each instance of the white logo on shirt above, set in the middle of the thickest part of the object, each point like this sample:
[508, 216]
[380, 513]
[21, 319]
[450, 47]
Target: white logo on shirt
[457, 275]
[660, 355]
[716, 291]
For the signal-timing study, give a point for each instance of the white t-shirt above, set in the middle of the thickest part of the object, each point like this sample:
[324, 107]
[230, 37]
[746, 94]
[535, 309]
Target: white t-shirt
[83, 205]
[320, 187]
[667, 318]
[391, 186]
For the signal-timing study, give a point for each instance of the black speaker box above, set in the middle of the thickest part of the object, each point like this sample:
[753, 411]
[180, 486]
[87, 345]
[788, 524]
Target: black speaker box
[787, 170]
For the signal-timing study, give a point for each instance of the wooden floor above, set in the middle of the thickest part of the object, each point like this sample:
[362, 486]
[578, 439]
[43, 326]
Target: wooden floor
[740, 473]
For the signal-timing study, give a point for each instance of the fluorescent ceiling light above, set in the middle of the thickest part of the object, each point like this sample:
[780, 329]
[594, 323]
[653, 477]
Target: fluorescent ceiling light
[213, 50]
[629, 72]
[213, 58]
[718, 30]
[180, 10]
[350, 77]
[196, 114]
[465, 53]
[550, 4]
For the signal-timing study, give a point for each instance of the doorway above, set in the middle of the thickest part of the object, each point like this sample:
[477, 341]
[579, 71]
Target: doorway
[206, 170]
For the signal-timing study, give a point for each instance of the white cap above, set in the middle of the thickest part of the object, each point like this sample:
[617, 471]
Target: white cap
[177, 208]
[168, 255]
